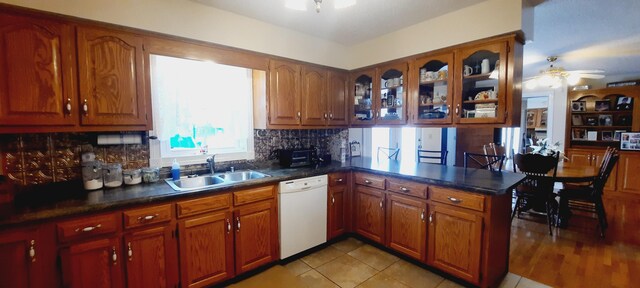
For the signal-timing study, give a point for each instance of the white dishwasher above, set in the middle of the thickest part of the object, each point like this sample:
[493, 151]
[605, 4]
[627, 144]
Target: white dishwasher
[302, 213]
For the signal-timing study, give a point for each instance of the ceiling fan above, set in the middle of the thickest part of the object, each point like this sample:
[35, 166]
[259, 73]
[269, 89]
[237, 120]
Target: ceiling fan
[553, 76]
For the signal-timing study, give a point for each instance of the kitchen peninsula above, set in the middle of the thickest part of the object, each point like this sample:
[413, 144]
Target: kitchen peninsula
[454, 219]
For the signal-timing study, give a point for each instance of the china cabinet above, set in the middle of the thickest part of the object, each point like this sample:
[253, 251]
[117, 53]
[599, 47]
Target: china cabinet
[431, 90]
[364, 106]
[392, 98]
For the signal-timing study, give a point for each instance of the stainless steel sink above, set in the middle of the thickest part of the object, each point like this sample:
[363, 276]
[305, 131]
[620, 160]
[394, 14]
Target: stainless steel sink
[185, 184]
[242, 175]
[208, 181]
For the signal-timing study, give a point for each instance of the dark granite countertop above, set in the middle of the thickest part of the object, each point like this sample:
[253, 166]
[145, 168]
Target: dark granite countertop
[45, 202]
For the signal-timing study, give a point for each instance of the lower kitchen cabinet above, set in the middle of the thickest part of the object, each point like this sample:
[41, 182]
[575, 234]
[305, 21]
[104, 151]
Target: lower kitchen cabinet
[337, 204]
[92, 264]
[369, 213]
[206, 249]
[28, 258]
[148, 258]
[406, 226]
[455, 241]
[256, 229]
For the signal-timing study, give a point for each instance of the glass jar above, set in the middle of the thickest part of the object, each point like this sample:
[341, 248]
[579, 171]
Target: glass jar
[132, 176]
[112, 175]
[92, 175]
[150, 174]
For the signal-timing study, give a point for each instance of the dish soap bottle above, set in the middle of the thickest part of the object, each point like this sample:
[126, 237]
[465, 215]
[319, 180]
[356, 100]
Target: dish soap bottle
[175, 170]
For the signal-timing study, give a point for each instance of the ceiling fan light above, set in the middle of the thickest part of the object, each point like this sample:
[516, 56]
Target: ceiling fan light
[339, 4]
[300, 5]
[318, 2]
[531, 84]
[546, 80]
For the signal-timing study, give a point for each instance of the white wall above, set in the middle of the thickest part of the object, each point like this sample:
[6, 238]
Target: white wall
[557, 118]
[193, 20]
[486, 19]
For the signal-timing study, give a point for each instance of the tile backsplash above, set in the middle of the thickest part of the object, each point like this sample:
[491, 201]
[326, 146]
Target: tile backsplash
[31, 159]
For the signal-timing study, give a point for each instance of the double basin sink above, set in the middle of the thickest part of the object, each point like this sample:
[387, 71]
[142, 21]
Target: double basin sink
[210, 181]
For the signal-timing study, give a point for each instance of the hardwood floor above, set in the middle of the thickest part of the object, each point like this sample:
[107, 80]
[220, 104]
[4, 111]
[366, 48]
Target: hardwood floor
[572, 257]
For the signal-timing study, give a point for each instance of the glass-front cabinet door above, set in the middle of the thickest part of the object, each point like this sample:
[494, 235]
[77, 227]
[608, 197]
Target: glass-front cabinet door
[392, 95]
[432, 91]
[481, 84]
[363, 102]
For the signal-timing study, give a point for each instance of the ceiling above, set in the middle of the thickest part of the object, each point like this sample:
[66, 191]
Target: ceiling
[366, 20]
[585, 34]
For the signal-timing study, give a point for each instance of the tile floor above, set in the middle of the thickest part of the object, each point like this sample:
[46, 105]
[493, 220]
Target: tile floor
[351, 263]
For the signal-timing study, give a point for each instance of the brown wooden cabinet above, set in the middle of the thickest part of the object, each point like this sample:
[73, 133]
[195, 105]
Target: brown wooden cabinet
[431, 90]
[628, 180]
[37, 84]
[284, 93]
[337, 96]
[406, 225]
[28, 257]
[593, 157]
[256, 239]
[363, 102]
[392, 95]
[314, 96]
[455, 241]
[95, 263]
[337, 205]
[369, 213]
[111, 78]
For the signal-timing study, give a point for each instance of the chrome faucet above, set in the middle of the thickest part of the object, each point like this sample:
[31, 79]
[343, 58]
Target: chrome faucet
[212, 163]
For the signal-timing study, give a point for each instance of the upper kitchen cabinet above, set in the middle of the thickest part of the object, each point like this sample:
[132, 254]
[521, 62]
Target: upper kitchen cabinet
[314, 96]
[337, 96]
[430, 89]
[111, 78]
[37, 59]
[486, 75]
[364, 106]
[284, 93]
[392, 97]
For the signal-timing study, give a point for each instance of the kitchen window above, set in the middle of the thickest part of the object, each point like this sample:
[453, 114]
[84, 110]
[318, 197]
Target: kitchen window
[200, 108]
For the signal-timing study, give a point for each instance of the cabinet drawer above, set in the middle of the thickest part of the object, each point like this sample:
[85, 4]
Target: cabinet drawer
[457, 198]
[253, 195]
[370, 180]
[407, 187]
[147, 216]
[87, 226]
[204, 204]
[336, 179]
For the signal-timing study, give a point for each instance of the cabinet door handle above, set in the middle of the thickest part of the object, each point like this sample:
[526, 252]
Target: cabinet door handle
[68, 106]
[448, 110]
[129, 252]
[85, 107]
[431, 217]
[88, 228]
[339, 180]
[326, 116]
[299, 115]
[404, 189]
[114, 256]
[454, 200]
[330, 115]
[32, 250]
[422, 215]
[381, 204]
[367, 181]
[228, 226]
[238, 224]
[457, 109]
[378, 114]
[147, 217]
[333, 200]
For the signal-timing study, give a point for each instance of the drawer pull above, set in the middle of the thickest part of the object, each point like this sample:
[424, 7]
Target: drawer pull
[88, 228]
[147, 218]
[32, 251]
[114, 256]
[454, 200]
[367, 181]
[404, 189]
[129, 252]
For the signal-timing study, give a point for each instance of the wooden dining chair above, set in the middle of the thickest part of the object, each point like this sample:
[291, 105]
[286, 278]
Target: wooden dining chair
[433, 156]
[588, 197]
[537, 187]
[483, 161]
[388, 152]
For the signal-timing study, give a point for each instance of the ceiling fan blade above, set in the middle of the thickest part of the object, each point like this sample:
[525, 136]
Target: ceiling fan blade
[591, 76]
[593, 71]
